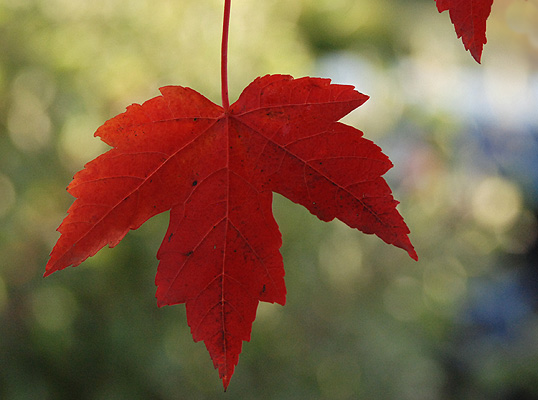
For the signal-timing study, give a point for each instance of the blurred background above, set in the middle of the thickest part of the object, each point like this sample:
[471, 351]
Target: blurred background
[362, 320]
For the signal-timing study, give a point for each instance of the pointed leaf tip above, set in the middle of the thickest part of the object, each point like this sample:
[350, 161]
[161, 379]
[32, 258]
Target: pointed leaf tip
[469, 18]
[225, 382]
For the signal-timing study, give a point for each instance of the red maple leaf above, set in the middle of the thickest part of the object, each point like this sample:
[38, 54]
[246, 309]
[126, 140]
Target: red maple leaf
[469, 19]
[216, 171]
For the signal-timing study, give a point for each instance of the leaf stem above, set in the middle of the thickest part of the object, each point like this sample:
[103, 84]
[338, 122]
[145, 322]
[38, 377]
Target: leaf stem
[224, 55]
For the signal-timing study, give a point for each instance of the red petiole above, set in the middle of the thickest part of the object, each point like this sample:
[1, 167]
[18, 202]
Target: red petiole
[224, 55]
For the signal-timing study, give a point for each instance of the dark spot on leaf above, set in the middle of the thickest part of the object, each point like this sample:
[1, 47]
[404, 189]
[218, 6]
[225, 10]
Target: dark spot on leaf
[188, 253]
[263, 289]
[194, 183]
[170, 237]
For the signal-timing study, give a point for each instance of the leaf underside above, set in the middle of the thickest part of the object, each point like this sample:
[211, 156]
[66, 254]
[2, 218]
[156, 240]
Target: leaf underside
[216, 171]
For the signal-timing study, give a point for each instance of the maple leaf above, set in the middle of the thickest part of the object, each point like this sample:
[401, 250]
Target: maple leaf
[469, 19]
[216, 171]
